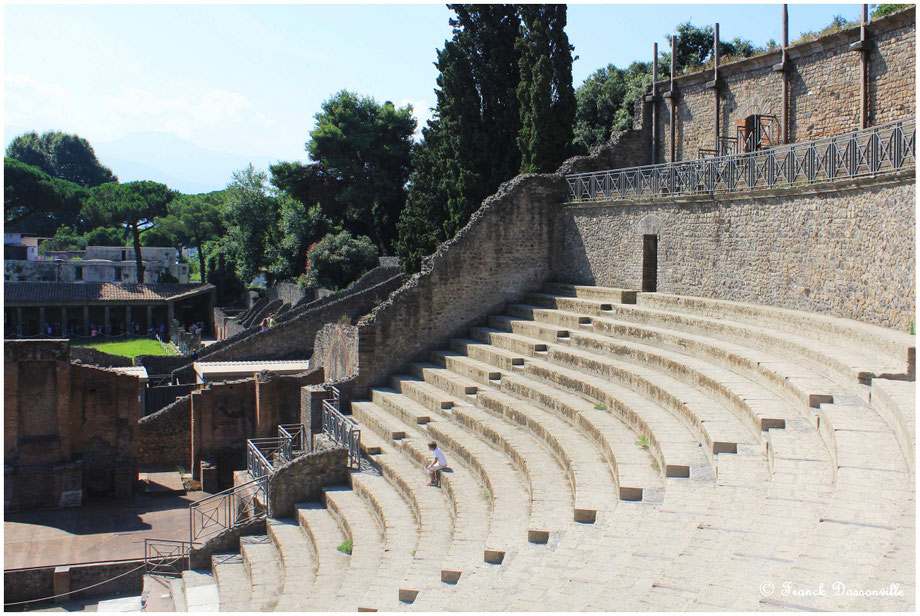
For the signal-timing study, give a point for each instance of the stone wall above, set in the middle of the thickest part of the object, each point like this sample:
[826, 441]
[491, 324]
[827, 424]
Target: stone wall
[289, 292]
[214, 422]
[292, 338]
[504, 250]
[302, 478]
[296, 340]
[124, 577]
[223, 417]
[335, 349]
[843, 249]
[69, 429]
[823, 77]
[165, 437]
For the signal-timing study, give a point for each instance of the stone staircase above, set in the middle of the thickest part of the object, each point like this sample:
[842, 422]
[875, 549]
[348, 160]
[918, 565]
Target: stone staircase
[613, 450]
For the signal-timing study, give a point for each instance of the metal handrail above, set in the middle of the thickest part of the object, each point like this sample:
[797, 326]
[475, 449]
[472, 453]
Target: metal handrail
[166, 556]
[296, 433]
[343, 431]
[887, 147]
[262, 453]
[233, 507]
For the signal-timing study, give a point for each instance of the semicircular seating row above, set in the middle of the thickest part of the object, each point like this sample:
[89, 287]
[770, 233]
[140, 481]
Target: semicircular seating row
[614, 450]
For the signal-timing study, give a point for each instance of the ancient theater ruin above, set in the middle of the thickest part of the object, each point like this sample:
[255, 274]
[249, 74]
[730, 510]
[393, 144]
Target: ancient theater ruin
[677, 374]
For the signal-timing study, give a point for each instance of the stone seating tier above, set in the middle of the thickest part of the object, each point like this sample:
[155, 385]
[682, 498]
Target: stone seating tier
[613, 450]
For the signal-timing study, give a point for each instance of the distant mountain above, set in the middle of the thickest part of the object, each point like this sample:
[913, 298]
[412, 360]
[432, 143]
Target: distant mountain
[176, 162]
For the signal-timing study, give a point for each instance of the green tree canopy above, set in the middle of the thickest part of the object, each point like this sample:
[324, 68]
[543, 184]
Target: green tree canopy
[252, 215]
[545, 94]
[607, 99]
[194, 220]
[300, 227]
[338, 260]
[34, 201]
[105, 236]
[133, 205]
[366, 147]
[61, 155]
[310, 184]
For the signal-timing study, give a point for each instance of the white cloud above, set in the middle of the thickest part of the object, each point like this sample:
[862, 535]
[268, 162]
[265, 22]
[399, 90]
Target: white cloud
[26, 98]
[191, 117]
[421, 111]
[215, 118]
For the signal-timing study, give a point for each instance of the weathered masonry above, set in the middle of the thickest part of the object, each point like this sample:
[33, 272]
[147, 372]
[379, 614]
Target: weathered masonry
[68, 430]
[859, 77]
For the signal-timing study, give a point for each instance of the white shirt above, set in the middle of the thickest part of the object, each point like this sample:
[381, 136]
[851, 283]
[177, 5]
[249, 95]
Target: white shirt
[439, 456]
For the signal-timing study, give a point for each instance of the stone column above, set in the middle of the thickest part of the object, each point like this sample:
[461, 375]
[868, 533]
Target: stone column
[19, 320]
[64, 330]
[86, 320]
[128, 327]
[106, 320]
[41, 321]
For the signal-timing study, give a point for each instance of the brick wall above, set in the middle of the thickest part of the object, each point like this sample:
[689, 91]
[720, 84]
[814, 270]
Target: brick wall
[69, 429]
[824, 77]
[844, 250]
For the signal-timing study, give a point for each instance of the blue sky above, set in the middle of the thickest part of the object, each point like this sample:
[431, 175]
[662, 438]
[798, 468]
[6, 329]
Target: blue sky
[187, 94]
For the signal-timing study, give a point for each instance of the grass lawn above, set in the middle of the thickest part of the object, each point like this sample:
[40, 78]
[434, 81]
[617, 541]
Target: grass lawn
[127, 348]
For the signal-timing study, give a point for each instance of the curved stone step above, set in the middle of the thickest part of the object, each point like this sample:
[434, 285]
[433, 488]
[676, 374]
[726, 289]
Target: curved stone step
[594, 488]
[718, 428]
[504, 488]
[836, 362]
[353, 515]
[632, 465]
[200, 591]
[298, 562]
[547, 500]
[433, 512]
[759, 408]
[603, 294]
[263, 562]
[401, 535]
[325, 536]
[894, 351]
[233, 583]
[896, 403]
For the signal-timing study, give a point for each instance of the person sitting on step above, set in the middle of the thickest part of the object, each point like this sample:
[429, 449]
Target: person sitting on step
[437, 464]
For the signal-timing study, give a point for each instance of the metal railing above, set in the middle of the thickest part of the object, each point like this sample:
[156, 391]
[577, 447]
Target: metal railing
[296, 433]
[887, 147]
[166, 556]
[264, 454]
[233, 507]
[343, 431]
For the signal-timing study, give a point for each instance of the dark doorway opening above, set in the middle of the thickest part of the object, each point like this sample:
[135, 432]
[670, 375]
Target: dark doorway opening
[649, 262]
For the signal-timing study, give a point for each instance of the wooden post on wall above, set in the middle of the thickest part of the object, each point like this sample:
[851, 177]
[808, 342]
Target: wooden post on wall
[783, 68]
[715, 89]
[673, 96]
[863, 46]
[655, 104]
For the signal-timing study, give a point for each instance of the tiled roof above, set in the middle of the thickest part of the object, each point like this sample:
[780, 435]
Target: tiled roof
[81, 292]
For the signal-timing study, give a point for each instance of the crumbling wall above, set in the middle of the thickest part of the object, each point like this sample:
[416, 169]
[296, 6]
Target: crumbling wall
[69, 429]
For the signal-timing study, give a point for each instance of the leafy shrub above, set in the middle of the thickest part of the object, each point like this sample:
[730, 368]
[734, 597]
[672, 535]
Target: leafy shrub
[336, 261]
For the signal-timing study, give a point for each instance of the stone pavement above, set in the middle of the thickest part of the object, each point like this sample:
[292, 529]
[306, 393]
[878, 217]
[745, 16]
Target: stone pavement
[103, 529]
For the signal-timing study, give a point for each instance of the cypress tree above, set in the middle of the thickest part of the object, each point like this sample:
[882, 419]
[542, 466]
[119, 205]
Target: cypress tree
[470, 146]
[546, 97]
